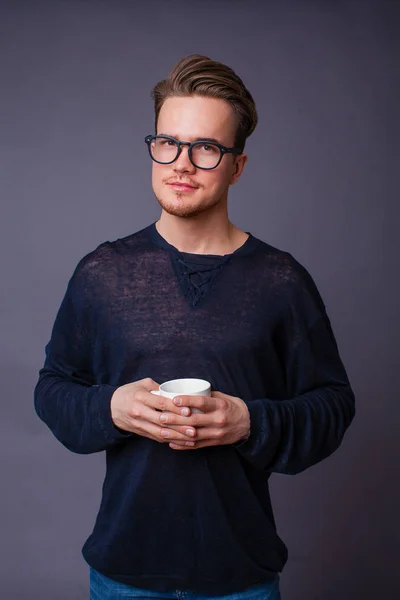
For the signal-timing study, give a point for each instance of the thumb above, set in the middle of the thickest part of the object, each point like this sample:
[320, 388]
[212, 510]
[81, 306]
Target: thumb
[149, 384]
[218, 395]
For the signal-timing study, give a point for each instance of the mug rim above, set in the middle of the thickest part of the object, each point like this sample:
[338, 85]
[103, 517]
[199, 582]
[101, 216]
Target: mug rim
[205, 387]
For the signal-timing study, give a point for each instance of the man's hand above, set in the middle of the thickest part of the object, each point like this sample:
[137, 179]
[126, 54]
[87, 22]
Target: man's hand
[226, 420]
[135, 409]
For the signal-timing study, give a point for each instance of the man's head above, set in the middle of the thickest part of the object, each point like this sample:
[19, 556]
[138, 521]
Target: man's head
[200, 100]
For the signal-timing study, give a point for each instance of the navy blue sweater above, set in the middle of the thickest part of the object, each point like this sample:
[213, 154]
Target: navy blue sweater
[254, 325]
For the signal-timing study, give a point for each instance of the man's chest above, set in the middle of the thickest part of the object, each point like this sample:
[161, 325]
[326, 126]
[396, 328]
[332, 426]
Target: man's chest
[152, 320]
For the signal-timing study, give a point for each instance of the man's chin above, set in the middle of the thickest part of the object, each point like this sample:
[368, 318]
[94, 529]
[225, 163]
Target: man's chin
[182, 210]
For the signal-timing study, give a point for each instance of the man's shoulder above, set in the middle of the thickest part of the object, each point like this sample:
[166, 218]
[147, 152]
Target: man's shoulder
[285, 274]
[281, 263]
[107, 255]
[290, 279]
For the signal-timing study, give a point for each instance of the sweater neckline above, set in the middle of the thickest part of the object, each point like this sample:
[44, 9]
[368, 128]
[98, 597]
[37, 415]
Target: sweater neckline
[246, 248]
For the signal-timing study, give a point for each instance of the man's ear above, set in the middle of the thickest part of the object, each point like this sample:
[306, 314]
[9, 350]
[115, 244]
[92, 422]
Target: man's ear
[240, 162]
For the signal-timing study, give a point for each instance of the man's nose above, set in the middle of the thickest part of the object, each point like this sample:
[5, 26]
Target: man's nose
[183, 162]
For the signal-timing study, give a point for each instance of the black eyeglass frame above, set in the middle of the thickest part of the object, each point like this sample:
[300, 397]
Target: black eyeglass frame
[223, 149]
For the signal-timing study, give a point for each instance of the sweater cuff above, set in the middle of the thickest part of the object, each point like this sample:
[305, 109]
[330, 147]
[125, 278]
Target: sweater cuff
[252, 447]
[111, 432]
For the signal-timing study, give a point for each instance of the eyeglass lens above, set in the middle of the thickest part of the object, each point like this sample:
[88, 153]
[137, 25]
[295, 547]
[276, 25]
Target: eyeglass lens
[206, 155]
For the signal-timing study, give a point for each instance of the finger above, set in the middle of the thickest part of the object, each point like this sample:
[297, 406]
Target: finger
[182, 445]
[196, 420]
[208, 434]
[140, 412]
[178, 433]
[155, 432]
[158, 402]
[195, 446]
[178, 446]
[146, 429]
[203, 403]
[204, 437]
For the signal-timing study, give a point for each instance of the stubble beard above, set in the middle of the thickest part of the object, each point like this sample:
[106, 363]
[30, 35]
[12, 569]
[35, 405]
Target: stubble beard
[184, 210]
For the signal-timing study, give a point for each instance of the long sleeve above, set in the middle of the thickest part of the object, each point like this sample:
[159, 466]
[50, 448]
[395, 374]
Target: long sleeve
[289, 435]
[66, 397]
[259, 333]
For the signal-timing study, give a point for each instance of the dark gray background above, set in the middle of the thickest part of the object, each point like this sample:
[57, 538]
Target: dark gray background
[75, 105]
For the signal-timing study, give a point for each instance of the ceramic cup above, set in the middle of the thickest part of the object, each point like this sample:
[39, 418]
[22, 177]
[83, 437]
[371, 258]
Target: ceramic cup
[184, 387]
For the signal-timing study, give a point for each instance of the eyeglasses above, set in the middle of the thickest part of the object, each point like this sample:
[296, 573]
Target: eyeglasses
[203, 154]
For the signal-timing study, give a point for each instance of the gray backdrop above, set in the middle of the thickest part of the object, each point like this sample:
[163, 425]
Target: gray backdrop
[75, 106]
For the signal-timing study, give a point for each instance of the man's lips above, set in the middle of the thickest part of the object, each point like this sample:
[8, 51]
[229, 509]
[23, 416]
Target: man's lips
[182, 186]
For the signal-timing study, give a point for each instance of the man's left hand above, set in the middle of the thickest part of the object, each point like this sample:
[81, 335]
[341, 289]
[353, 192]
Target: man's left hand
[224, 420]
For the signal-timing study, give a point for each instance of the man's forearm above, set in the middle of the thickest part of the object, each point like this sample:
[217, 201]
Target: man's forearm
[291, 435]
[78, 415]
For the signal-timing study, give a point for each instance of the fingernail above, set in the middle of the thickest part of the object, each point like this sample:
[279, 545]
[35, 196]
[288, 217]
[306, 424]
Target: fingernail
[163, 418]
[177, 401]
[185, 411]
[164, 433]
[190, 432]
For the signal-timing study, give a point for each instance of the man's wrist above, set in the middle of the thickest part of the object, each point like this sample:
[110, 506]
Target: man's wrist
[246, 434]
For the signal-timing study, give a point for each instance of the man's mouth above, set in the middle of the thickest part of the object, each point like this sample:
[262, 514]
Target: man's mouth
[179, 185]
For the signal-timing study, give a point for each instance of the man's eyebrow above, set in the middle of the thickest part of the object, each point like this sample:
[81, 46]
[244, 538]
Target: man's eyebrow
[198, 139]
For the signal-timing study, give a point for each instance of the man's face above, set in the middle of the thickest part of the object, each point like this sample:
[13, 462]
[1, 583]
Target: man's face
[188, 119]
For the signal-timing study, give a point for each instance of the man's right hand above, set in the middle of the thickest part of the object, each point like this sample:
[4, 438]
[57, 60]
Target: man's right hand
[135, 409]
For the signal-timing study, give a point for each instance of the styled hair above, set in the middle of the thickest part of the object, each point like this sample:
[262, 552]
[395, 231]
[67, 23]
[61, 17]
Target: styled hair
[197, 75]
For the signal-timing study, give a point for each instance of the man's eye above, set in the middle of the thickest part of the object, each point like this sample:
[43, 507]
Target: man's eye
[209, 149]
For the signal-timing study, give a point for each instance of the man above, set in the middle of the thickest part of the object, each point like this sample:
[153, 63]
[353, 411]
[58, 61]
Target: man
[185, 509]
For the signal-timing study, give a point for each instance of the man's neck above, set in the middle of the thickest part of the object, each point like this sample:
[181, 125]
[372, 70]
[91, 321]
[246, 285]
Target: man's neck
[199, 236]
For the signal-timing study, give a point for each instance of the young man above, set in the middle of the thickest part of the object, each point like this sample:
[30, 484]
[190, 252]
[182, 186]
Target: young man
[185, 507]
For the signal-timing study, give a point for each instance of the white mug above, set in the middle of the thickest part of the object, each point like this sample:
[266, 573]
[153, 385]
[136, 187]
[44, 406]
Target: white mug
[184, 387]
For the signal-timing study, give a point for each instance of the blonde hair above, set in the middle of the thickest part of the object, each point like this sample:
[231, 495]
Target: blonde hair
[197, 75]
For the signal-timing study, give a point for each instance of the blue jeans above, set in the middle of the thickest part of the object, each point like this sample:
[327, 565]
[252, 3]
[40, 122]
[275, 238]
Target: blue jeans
[104, 588]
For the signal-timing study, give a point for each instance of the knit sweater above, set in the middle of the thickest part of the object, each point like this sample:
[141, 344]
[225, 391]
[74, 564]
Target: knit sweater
[253, 324]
